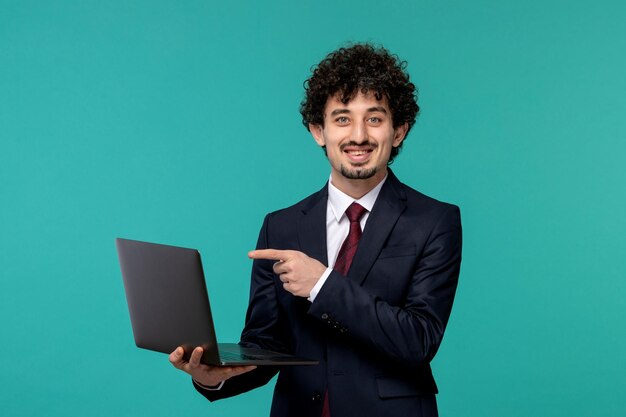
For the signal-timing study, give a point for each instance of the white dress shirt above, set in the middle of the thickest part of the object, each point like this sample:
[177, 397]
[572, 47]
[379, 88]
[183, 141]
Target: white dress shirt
[338, 225]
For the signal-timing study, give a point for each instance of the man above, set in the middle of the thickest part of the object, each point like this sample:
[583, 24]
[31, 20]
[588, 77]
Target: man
[366, 289]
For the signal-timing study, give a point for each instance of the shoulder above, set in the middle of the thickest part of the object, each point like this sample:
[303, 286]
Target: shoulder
[426, 209]
[303, 206]
[417, 199]
[281, 228]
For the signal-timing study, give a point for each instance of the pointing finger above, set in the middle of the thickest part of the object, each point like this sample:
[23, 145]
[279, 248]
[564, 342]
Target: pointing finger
[271, 254]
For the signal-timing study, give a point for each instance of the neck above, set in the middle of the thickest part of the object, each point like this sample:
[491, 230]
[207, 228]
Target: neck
[356, 188]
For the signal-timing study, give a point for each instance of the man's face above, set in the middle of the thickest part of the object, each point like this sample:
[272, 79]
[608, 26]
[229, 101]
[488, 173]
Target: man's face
[358, 137]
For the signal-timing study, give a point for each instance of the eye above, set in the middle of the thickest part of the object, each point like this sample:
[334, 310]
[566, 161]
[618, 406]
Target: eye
[342, 120]
[375, 120]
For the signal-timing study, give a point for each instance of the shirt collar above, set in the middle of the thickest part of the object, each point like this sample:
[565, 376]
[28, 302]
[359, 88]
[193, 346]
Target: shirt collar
[340, 201]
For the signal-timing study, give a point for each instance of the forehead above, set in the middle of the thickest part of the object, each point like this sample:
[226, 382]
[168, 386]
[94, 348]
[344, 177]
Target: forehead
[359, 102]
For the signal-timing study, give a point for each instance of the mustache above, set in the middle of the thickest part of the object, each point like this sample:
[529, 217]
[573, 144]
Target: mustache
[366, 144]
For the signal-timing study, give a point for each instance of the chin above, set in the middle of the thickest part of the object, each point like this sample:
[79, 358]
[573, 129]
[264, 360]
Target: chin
[358, 173]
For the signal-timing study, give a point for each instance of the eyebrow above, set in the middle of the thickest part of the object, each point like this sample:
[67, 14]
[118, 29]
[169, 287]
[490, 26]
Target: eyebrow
[370, 110]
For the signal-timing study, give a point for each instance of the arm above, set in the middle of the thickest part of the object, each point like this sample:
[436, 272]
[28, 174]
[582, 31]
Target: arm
[261, 329]
[410, 333]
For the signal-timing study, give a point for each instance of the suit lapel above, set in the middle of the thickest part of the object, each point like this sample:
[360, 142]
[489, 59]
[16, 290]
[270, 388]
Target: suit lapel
[312, 227]
[390, 204]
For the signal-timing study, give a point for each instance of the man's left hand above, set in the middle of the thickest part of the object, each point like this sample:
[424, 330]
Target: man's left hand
[298, 272]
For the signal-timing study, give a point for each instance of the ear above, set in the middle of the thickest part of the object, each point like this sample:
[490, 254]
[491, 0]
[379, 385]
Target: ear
[400, 134]
[317, 132]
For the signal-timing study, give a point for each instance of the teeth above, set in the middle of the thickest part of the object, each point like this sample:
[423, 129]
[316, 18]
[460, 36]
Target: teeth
[357, 153]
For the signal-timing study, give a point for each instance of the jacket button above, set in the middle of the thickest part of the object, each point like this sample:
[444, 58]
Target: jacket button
[324, 316]
[317, 398]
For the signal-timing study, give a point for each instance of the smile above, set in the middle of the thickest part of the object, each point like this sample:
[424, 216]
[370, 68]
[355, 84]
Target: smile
[358, 156]
[358, 152]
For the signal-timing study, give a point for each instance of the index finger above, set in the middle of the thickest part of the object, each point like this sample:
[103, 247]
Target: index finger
[272, 254]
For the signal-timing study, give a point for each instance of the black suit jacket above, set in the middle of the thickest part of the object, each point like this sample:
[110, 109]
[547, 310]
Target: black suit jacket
[374, 331]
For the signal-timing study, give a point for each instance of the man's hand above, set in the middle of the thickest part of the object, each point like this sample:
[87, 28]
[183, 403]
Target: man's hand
[210, 376]
[297, 271]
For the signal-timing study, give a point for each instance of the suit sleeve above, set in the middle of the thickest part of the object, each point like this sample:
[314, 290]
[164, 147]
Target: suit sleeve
[261, 331]
[411, 333]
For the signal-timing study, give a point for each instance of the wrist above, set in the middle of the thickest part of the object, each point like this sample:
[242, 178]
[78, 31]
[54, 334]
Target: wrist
[207, 386]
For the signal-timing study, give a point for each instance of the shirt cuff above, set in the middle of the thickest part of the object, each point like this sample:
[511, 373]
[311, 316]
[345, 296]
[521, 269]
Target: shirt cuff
[320, 282]
[208, 388]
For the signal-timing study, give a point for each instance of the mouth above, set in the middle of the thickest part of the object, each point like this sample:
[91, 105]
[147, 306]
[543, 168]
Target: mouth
[358, 154]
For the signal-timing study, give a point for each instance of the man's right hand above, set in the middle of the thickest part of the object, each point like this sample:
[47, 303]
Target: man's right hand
[210, 376]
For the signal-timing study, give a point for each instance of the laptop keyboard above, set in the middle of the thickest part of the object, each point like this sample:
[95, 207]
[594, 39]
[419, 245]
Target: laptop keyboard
[234, 357]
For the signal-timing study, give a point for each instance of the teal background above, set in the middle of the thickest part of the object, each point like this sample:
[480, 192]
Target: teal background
[178, 122]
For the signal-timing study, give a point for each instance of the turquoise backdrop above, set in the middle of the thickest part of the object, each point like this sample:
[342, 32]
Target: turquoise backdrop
[177, 122]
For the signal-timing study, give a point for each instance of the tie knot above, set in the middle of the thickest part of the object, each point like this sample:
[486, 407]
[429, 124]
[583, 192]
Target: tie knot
[355, 211]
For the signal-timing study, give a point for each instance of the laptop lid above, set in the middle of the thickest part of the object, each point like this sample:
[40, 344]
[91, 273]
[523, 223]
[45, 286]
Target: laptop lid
[169, 305]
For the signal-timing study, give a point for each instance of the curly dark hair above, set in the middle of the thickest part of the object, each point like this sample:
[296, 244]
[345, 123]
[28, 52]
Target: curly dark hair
[364, 68]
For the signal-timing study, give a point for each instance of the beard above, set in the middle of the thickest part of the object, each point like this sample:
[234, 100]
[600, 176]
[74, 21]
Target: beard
[357, 173]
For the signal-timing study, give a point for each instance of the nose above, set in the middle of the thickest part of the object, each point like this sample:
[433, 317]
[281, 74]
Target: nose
[359, 132]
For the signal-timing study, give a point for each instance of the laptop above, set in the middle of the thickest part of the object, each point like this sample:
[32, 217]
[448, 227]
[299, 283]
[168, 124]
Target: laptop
[169, 306]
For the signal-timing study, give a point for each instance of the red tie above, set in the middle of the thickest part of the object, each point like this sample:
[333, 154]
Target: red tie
[344, 259]
[348, 248]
